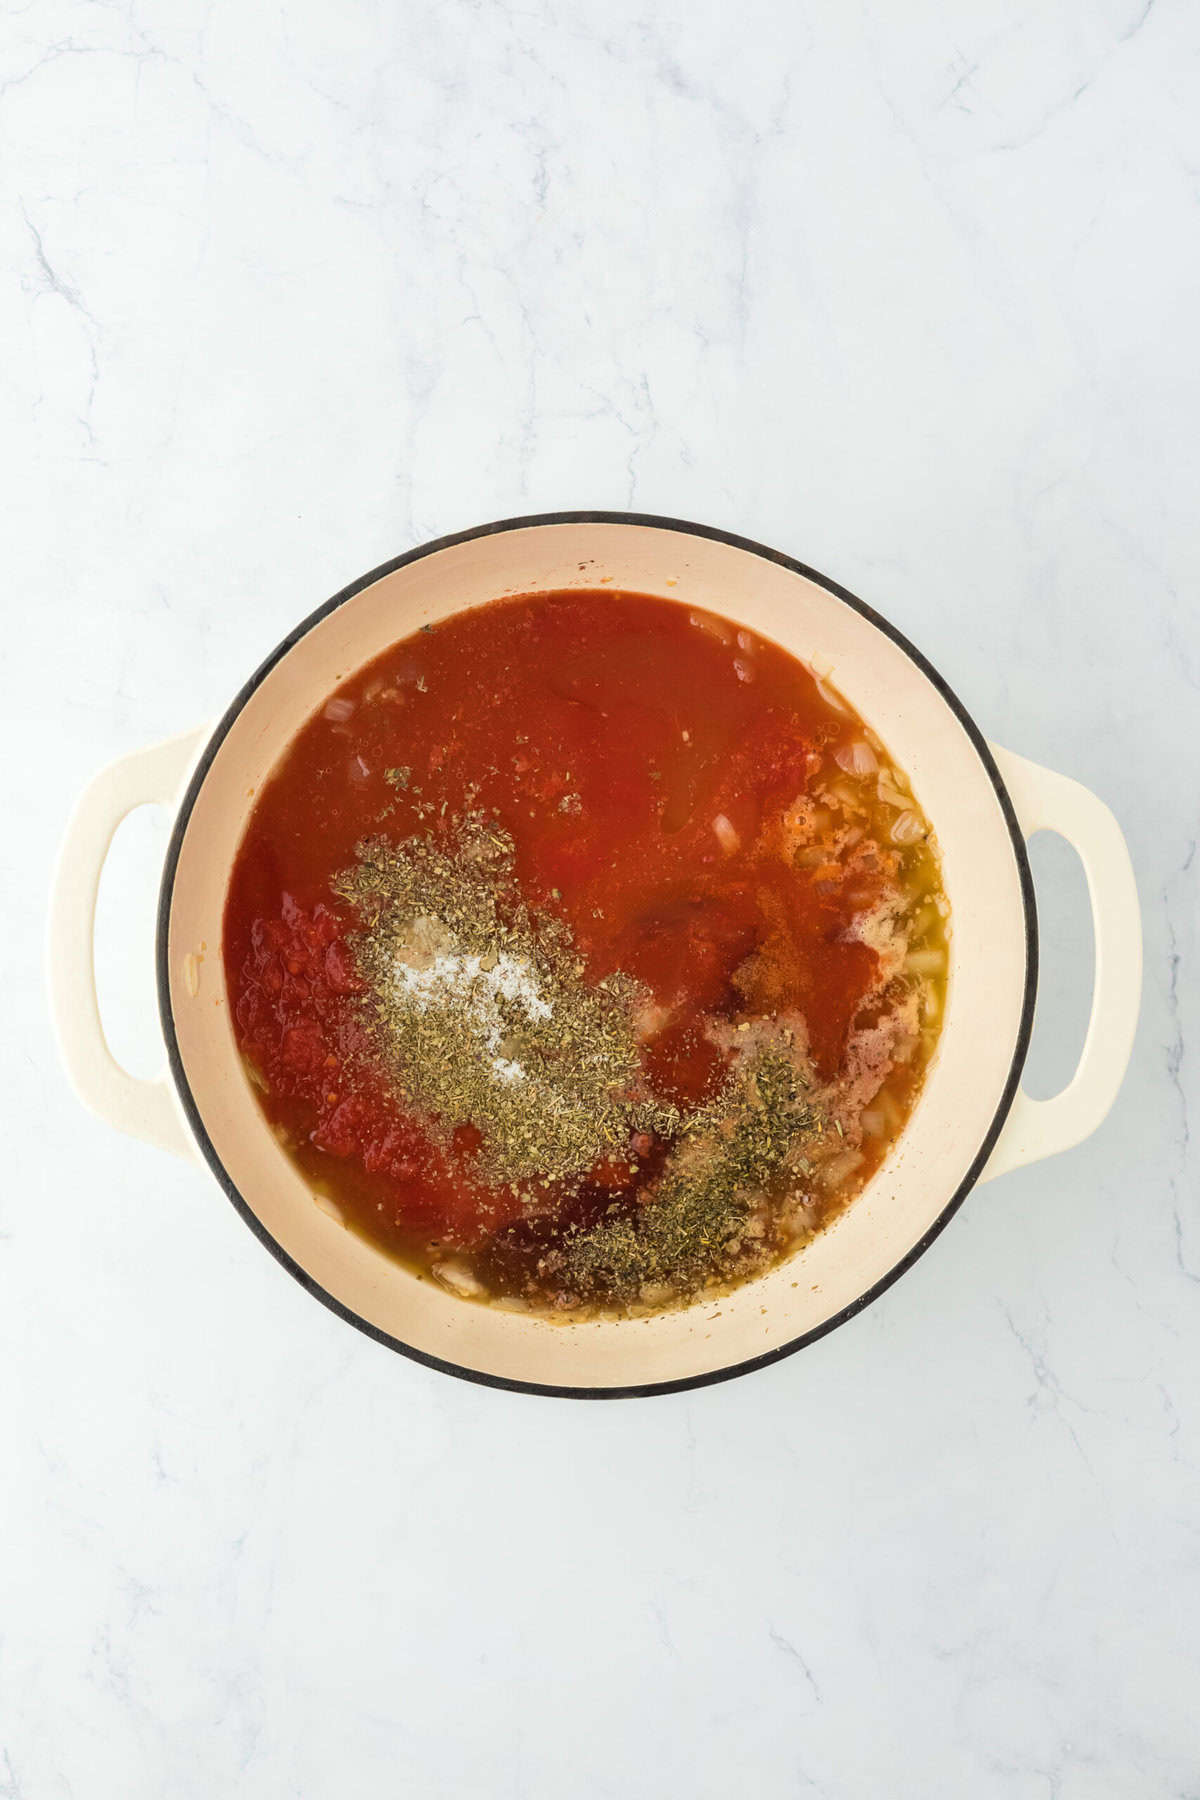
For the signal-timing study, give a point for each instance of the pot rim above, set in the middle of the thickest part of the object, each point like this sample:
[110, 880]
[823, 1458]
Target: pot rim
[183, 1087]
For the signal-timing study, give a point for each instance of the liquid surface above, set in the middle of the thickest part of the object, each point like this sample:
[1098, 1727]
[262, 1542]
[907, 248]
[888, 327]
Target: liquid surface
[586, 952]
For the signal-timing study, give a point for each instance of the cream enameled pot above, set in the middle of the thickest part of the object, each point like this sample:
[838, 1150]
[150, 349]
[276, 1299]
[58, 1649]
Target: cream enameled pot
[972, 1121]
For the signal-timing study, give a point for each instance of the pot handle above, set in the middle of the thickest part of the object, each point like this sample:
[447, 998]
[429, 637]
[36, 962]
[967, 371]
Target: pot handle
[143, 1109]
[1044, 801]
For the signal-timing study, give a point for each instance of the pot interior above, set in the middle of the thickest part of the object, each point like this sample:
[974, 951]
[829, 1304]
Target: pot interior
[967, 1085]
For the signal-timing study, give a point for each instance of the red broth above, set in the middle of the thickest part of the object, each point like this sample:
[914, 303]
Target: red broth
[702, 817]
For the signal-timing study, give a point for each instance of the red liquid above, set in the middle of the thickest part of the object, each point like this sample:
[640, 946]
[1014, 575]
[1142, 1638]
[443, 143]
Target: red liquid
[606, 732]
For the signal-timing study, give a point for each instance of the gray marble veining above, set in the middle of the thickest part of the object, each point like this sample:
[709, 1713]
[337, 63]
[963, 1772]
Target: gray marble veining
[909, 292]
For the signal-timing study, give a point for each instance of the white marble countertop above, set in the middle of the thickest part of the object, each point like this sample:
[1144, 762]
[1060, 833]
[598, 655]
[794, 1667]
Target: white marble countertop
[910, 292]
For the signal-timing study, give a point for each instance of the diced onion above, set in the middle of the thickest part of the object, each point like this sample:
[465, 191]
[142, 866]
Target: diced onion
[923, 920]
[655, 1293]
[886, 1102]
[742, 669]
[856, 758]
[907, 828]
[839, 1168]
[926, 962]
[726, 834]
[339, 710]
[873, 1122]
[891, 796]
[745, 640]
[714, 627]
[829, 697]
[458, 1278]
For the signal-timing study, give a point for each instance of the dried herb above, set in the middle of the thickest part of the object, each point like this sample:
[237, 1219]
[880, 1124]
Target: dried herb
[699, 1219]
[480, 1012]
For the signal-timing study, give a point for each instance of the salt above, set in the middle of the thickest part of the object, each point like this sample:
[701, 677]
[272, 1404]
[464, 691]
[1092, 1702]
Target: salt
[477, 991]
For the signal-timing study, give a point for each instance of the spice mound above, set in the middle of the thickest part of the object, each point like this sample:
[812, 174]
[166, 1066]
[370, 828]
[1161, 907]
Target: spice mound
[481, 1013]
[709, 1207]
[483, 1017]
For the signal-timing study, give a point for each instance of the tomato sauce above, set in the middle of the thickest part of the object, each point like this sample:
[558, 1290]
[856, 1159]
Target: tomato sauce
[642, 758]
